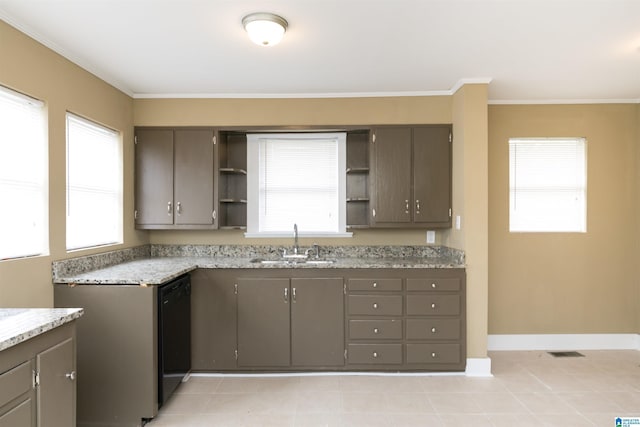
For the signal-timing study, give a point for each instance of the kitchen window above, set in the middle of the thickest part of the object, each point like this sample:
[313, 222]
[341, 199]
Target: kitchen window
[24, 224]
[94, 184]
[547, 185]
[296, 178]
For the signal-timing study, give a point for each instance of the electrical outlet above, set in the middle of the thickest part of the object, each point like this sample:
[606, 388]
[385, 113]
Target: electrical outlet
[431, 237]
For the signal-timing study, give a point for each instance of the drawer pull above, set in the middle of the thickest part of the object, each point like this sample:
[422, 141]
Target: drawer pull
[71, 376]
[375, 355]
[375, 305]
[375, 330]
[375, 284]
[433, 355]
[433, 330]
[433, 305]
[433, 285]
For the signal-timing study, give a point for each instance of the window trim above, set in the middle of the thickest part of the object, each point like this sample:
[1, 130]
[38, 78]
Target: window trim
[253, 176]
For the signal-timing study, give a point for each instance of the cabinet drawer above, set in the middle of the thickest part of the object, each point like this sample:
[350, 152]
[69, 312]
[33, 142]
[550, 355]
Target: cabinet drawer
[433, 329]
[377, 354]
[433, 353]
[434, 284]
[375, 305]
[432, 305]
[375, 329]
[15, 382]
[375, 284]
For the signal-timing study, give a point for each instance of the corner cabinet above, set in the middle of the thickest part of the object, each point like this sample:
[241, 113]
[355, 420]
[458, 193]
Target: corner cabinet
[38, 381]
[411, 169]
[175, 178]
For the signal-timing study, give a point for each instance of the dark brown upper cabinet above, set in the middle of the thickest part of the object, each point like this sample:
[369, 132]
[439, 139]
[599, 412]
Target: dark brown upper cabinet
[175, 178]
[411, 170]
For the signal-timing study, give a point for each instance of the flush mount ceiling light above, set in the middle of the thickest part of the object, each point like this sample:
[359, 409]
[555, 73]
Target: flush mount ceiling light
[265, 29]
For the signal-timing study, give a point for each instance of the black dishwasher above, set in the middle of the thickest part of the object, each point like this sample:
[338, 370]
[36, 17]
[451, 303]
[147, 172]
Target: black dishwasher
[174, 335]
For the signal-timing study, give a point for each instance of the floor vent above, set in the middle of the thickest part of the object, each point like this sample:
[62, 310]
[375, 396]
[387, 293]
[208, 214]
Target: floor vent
[565, 354]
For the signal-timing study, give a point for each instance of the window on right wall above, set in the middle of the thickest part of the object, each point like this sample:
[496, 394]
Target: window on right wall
[548, 185]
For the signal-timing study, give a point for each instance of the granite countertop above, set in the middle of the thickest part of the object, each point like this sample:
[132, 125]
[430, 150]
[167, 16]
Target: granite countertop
[157, 264]
[155, 271]
[20, 324]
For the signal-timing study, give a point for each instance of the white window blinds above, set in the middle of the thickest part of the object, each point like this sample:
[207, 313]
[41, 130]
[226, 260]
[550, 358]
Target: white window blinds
[23, 176]
[94, 184]
[547, 185]
[298, 182]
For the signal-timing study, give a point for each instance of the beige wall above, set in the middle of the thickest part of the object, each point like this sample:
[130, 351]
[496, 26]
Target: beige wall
[543, 283]
[31, 68]
[470, 194]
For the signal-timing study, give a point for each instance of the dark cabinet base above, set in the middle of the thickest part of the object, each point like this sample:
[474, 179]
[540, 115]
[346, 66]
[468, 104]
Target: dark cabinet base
[301, 320]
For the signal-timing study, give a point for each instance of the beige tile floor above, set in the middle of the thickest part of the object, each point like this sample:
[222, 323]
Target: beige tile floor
[528, 389]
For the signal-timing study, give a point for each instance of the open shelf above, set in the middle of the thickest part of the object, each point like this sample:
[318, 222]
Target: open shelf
[232, 180]
[358, 179]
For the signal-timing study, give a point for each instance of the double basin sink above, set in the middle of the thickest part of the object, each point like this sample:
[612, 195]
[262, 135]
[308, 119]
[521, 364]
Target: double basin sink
[294, 261]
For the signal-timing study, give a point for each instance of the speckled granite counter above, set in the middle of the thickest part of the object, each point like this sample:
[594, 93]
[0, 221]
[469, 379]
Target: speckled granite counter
[165, 262]
[20, 324]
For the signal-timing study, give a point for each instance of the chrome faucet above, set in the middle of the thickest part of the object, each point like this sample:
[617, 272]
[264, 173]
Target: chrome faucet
[295, 239]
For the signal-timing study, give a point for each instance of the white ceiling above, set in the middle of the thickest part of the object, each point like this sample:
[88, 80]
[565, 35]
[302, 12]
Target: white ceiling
[530, 50]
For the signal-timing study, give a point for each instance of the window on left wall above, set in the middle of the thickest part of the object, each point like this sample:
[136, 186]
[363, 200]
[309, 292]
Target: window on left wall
[94, 184]
[24, 224]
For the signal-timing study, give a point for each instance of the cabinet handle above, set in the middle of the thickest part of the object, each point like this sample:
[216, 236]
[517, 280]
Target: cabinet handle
[433, 355]
[375, 330]
[375, 355]
[168, 208]
[433, 330]
[286, 295]
[293, 294]
[375, 305]
[406, 206]
[433, 285]
[417, 206]
[179, 208]
[433, 305]
[71, 376]
[375, 284]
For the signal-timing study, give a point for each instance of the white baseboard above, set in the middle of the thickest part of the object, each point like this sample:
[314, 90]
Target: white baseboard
[557, 342]
[478, 367]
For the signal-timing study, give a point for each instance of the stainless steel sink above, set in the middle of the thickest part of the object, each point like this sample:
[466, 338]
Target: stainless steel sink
[293, 261]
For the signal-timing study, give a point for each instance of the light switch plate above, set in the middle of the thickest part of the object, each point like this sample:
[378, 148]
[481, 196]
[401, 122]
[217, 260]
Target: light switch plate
[458, 221]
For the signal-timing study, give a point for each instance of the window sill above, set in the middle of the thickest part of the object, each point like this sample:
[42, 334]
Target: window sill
[288, 234]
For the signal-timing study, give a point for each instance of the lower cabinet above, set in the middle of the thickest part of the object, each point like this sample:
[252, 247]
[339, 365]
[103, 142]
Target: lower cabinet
[37, 381]
[328, 319]
[117, 353]
[290, 322]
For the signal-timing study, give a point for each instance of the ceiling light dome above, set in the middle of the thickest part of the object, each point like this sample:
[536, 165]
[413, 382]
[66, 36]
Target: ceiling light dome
[265, 29]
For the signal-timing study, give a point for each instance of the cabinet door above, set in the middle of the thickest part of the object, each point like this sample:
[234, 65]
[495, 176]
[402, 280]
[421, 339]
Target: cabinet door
[317, 322]
[263, 322]
[19, 416]
[57, 389]
[431, 175]
[213, 320]
[154, 176]
[392, 169]
[193, 176]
